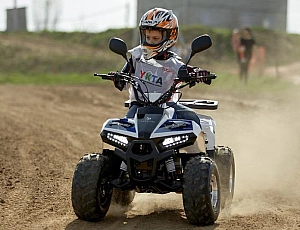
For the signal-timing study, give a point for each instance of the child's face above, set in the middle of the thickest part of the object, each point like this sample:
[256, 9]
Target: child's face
[153, 36]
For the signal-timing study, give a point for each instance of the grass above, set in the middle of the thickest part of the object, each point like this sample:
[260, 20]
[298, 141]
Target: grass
[82, 52]
[254, 84]
[60, 58]
[224, 82]
[270, 88]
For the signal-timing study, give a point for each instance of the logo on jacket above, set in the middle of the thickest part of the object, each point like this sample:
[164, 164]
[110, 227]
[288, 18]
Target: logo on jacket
[148, 76]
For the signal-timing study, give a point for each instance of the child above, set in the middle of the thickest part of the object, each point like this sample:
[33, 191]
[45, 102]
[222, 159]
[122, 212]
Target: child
[237, 46]
[155, 63]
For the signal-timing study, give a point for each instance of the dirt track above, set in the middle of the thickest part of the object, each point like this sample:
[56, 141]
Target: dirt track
[45, 130]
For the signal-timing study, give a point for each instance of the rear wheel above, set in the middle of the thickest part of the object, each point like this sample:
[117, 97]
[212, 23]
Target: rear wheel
[91, 189]
[225, 162]
[201, 191]
[123, 198]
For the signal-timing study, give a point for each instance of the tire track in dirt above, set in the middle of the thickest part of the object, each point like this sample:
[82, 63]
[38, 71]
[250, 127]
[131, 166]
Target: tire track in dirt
[45, 130]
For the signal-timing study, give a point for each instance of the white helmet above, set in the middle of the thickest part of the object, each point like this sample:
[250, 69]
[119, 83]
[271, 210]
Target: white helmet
[162, 20]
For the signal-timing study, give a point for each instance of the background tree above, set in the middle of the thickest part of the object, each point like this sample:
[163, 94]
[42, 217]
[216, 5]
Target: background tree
[46, 14]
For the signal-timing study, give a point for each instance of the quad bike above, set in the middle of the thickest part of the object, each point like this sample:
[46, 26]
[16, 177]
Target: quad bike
[155, 152]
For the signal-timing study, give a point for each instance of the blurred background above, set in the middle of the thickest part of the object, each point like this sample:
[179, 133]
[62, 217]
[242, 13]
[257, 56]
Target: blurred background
[96, 16]
[71, 36]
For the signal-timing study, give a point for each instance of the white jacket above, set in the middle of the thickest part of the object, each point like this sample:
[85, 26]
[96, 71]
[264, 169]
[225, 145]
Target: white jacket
[158, 74]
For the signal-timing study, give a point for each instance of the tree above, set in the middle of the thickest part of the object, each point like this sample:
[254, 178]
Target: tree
[46, 14]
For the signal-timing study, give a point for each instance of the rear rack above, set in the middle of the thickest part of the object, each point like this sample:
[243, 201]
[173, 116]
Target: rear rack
[199, 104]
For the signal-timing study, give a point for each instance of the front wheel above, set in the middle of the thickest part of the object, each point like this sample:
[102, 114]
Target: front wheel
[201, 191]
[91, 188]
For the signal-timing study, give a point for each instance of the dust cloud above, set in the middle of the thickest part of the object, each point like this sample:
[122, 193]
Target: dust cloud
[145, 204]
[265, 140]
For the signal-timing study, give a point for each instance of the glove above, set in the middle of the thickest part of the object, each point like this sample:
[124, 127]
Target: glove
[119, 83]
[200, 74]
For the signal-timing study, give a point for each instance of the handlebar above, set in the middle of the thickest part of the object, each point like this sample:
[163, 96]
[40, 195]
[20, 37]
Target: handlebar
[191, 80]
[120, 75]
[104, 76]
[192, 76]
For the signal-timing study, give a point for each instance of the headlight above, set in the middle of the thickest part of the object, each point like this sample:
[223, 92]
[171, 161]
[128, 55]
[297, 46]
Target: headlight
[172, 141]
[119, 139]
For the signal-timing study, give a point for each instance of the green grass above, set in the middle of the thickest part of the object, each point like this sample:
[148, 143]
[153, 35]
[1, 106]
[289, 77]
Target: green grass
[269, 88]
[44, 58]
[224, 82]
[81, 52]
[254, 84]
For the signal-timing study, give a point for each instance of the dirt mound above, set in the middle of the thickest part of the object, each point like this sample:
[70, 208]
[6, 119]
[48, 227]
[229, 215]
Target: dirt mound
[45, 130]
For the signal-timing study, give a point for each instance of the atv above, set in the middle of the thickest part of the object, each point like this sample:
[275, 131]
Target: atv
[156, 153]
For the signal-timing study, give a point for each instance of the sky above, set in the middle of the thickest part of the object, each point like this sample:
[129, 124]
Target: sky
[100, 15]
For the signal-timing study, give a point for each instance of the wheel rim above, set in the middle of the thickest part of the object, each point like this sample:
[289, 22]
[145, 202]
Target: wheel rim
[104, 192]
[214, 191]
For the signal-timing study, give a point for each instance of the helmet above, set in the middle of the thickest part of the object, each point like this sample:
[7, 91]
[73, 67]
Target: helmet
[164, 21]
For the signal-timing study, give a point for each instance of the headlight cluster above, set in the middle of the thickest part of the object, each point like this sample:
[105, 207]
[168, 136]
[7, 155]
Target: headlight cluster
[121, 140]
[172, 141]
